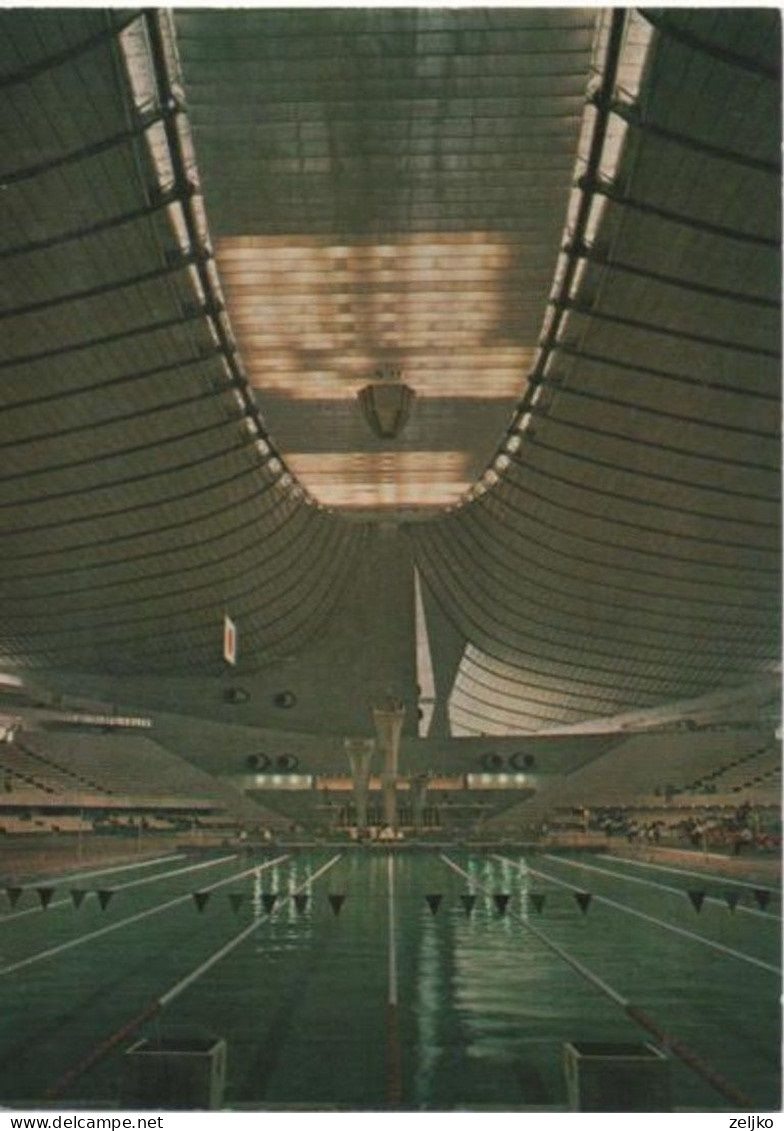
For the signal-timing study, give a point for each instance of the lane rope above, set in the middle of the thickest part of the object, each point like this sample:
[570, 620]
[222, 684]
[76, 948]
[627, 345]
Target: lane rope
[68, 878]
[157, 1005]
[40, 955]
[712, 877]
[698, 1064]
[653, 884]
[728, 950]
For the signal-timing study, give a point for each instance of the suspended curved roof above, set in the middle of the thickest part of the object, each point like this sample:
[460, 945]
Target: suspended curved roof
[562, 226]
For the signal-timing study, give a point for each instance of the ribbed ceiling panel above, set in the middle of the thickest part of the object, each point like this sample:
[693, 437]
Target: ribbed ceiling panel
[623, 549]
[139, 497]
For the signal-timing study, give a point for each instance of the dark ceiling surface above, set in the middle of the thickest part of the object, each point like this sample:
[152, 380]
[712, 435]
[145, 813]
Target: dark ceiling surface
[629, 551]
[621, 549]
[138, 496]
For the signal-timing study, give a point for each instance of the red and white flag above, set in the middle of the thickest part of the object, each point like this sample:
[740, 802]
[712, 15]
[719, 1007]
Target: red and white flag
[229, 640]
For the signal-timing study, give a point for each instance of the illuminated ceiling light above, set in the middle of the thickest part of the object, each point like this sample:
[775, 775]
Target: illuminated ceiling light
[513, 443]
[386, 403]
[490, 478]
[274, 466]
[501, 462]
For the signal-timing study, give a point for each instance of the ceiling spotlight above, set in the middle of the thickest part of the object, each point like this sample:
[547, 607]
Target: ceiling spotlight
[386, 403]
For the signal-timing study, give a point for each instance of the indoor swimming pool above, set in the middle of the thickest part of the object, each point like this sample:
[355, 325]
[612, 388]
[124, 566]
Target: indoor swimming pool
[442, 980]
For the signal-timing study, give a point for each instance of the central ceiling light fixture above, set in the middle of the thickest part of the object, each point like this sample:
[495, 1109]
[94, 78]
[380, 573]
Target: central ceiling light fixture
[386, 402]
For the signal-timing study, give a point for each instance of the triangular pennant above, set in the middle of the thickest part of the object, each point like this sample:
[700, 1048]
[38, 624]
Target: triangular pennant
[732, 899]
[201, 899]
[433, 902]
[762, 897]
[501, 901]
[583, 900]
[268, 900]
[336, 902]
[14, 895]
[236, 899]
[468, 902]
[103, 897]
[301, 901]
[537, 899]
[45, 895]
[697, 899]
[77, 895]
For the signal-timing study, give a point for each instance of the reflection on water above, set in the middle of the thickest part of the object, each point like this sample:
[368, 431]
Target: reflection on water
[430, 1001]
[485, 1006]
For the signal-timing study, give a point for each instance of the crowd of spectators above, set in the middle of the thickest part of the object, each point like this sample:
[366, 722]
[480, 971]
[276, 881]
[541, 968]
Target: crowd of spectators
[737, 830]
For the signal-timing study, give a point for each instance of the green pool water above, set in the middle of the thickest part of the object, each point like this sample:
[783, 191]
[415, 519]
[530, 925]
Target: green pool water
[484, 1006]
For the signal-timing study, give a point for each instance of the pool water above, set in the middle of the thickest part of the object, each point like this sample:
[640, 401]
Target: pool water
[392, 1003]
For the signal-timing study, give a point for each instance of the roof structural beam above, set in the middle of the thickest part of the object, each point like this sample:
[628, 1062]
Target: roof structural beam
[612, 192]
[705, 47]
[120, 418]
[541, 575]
[464, 601]
[613, 520]
[309, 553]
[569, 620]
[667, 375]
[633, 117]
[550, 550]
[110, 383]
[650, 476]
[626, 547]
[191, 314]
[656, 445]
[179, 262]
[664, 413]
[158, 201]
[270, 533]
[614, 43]
[594, 255]
[669, 331]
[166, 97]
[122, 453]
[181, 548]
[29, 172]
[49, 62]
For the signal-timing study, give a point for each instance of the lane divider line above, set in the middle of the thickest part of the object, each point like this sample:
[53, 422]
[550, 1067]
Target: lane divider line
[67, 877]
[176, 872]
[698, 1065]
[82, 939]
[56, 1090]
[66, 902]
[653, 884]
[739, 954]
[710, 876]
[589, 975]
[232, 944]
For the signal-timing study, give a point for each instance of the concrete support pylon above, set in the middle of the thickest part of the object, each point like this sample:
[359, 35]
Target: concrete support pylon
[388, 720]
[359, 752]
